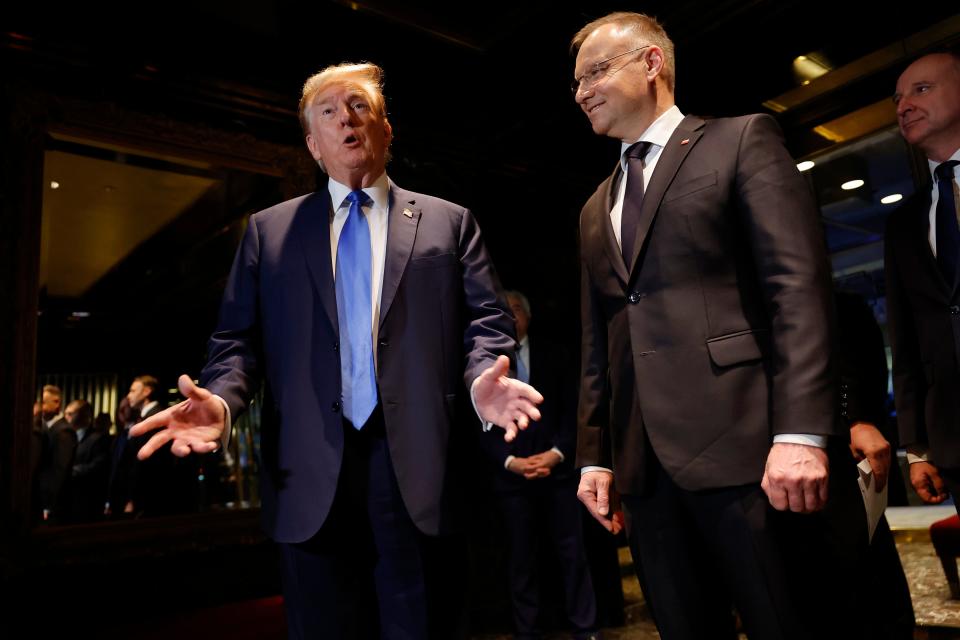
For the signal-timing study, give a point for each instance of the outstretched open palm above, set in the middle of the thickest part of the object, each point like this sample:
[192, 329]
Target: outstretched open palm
[196, 424]
[506, 402]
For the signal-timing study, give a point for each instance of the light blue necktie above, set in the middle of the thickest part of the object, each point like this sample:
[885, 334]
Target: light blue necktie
[354, 311]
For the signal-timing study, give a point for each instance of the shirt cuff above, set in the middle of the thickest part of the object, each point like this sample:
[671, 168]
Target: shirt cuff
[227, 423]
[595, 468]
[808, 439]
[916, 453]
[559, 453]
[506, 463]
[486, 425]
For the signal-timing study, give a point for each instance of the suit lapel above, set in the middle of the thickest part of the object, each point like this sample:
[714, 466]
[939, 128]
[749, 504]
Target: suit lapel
[609, 237]
[671, 157]
[312, 229]
[403, 218]
[920, 238]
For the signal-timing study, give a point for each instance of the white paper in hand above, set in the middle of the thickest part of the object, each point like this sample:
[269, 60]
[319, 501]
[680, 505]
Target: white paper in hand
[874, 502]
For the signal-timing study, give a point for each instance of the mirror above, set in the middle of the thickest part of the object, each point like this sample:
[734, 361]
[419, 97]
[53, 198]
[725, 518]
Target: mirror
[135, 250]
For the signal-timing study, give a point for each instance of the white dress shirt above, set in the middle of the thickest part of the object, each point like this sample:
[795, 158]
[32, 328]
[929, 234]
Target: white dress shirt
[376, 213]
[935, 197]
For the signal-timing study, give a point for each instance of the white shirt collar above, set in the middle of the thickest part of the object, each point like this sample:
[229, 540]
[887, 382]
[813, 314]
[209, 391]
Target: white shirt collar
[658, 133]
[147, 407]
[932, 164]
[379, 192]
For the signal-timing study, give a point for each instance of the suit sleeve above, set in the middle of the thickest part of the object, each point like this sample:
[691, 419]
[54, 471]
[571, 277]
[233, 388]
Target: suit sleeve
[789, 254]
[489, 330]
[99, 458]
[861, 362]
[593, 448]
[909, 385]
[234, 351]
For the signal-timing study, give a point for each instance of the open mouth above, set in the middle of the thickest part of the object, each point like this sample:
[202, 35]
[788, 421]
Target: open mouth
[350, 140]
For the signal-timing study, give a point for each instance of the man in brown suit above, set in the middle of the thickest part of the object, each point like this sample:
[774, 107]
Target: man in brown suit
[707, 397]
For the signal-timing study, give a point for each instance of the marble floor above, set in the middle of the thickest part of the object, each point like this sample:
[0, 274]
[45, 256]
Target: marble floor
[938, 616]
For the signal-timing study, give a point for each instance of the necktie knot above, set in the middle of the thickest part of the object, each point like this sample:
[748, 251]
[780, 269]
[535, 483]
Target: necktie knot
[638, 150]
[358, 197]
[944, 170]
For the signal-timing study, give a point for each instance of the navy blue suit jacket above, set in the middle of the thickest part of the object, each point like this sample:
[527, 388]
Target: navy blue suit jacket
[442, 322]
[553, 375]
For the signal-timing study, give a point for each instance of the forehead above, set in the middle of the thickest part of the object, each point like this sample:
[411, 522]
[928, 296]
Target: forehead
[603, 42]
[928, 69]
[340, 90]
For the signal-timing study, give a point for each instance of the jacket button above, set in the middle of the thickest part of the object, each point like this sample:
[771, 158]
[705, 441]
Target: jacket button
[335, 407]
[954, 310]
[633, 298]
[384, 343]
[336, 347]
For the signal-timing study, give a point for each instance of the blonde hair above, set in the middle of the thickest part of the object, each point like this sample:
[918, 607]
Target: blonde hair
[364, 76]
[644, 27]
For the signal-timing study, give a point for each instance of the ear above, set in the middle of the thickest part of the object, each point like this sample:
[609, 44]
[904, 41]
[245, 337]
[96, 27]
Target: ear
[387, 131]
[313, 147]
[654, 62]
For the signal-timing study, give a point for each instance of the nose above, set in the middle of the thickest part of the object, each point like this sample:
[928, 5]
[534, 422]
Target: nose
[903, 106]
[345, 114]
[581, 94]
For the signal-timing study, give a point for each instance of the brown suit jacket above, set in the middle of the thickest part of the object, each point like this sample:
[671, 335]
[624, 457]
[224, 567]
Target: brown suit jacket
[717, 337]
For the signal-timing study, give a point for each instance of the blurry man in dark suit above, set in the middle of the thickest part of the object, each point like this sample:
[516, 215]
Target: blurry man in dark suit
[58, 443]
[536, 487]
[862, 365]
[91, 464]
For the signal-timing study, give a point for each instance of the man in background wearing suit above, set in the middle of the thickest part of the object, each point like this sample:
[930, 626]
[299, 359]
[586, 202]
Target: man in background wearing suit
[707, 398]
[367, 311]
[922, 243]
[91, 464]
[58, 444]
[536, 488]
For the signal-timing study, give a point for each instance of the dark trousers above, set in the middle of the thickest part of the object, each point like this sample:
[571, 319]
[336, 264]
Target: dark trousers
[700, 554]
[891, 610]
[365, 573]
[547, 510]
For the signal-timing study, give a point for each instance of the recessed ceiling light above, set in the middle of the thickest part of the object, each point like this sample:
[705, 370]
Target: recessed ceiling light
[890, 199]
[806, 165]
[54, 184]
[851, 184]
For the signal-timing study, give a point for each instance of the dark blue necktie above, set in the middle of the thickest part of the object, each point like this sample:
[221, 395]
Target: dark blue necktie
[354, 311]
[948, 233]
[632, 199]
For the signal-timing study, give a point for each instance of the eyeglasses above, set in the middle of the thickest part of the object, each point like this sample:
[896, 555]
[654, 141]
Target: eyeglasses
[599, 71]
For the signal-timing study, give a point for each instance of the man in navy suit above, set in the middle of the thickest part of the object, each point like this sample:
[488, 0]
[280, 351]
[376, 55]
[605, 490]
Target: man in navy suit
[923, 288]
[363, 309]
